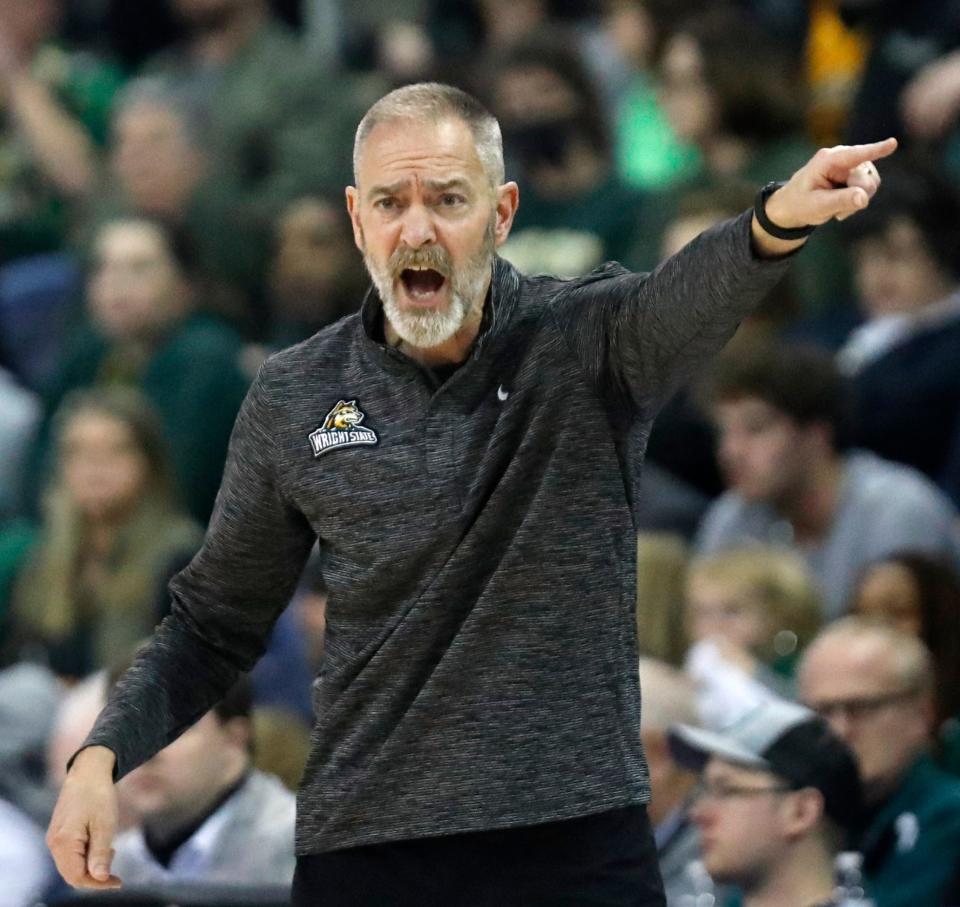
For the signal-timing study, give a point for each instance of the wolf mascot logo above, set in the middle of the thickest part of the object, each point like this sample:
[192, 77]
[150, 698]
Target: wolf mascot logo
[342, 428]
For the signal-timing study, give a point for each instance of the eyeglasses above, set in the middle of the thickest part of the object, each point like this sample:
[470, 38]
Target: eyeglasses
[718, 790]
[859, 707]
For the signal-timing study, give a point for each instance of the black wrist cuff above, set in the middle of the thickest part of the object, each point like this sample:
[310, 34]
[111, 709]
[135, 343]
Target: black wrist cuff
[760, 210]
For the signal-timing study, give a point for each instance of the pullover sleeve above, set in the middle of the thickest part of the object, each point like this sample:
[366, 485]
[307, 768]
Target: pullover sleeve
[638, 335]
[224, 604]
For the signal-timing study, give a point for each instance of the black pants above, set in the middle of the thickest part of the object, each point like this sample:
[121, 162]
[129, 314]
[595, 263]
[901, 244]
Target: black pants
[604, 860]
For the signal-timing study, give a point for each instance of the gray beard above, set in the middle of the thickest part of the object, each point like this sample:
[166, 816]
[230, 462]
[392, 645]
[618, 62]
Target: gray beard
[426, 329]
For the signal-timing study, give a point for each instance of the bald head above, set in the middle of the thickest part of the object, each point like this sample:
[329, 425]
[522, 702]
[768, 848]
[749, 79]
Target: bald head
[874, 686]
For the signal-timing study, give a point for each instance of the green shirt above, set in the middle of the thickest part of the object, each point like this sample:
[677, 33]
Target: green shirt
[911, 846]
[34, 215]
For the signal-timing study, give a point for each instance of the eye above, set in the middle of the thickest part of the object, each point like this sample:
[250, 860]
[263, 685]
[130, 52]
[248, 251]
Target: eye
[451, 200]
[387, 203]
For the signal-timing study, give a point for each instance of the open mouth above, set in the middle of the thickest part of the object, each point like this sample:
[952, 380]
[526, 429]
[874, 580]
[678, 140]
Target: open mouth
[422, 284]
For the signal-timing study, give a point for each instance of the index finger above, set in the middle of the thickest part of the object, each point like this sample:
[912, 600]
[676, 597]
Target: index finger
[847, 157]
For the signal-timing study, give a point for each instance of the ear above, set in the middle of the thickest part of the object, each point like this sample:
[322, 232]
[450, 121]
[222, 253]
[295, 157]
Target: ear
[801, 812]
[353, 209]
[508, 199]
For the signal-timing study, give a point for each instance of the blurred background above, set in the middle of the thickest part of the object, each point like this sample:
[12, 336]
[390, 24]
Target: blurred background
[171, 212]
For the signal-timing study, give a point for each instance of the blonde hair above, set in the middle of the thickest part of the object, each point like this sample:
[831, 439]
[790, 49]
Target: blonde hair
[774, 579]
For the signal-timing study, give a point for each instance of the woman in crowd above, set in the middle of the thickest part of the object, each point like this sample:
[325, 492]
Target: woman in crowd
[920, 594]
[110, 529]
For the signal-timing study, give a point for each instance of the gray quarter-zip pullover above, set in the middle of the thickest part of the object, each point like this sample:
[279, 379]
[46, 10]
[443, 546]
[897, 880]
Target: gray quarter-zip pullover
[481, 663]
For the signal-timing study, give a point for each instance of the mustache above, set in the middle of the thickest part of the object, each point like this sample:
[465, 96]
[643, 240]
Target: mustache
[434, 257]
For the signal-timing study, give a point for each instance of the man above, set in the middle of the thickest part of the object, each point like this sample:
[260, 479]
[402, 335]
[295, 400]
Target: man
[875, 687]
[459, 448]
[779, 789]
[668, 697]
[779, 412]
[208, 819]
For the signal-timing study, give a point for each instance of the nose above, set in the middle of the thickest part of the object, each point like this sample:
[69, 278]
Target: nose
[418, 228]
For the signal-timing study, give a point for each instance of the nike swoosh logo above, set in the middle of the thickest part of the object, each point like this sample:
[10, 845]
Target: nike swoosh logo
[502, 394]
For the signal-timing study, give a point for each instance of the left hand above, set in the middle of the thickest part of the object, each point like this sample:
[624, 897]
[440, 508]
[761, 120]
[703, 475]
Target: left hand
[835, 182]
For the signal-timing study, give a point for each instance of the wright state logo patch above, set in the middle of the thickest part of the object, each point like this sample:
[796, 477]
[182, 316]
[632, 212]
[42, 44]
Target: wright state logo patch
[342, 428]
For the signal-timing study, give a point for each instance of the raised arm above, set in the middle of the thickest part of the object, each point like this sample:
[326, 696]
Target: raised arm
[224, 606]
[637, 335]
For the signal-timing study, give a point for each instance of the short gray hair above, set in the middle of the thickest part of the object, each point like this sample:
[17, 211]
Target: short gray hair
[434, 102]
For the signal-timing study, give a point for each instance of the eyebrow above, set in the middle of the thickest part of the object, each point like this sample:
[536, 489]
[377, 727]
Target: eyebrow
[457, 182]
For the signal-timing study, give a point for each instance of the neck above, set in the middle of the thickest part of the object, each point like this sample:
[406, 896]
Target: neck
[218, 45]
[803, 879]
[810, 509]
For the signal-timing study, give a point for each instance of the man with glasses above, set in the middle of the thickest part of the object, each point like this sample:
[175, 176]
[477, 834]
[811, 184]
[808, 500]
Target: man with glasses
[874, 686]
[777, 795]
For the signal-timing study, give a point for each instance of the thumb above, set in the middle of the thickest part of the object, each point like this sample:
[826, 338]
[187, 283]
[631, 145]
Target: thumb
[848, 201]
[99, 854]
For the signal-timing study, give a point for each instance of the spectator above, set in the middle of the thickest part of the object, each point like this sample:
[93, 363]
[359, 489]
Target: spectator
[779, 791]
[661, 566]
[749, 612]
[743, 113]
[208, 817]
[110, 528]
[876, 688]
[270, 110]
[55, 104]
[576, 213]
[147, 331]
[667, 698]
[760, 604]
[906, 375]
[26, 870]
[920, 595]
[780, 416]
[315, 276]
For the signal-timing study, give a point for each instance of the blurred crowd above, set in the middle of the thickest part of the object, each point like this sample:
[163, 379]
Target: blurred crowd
[171, 179]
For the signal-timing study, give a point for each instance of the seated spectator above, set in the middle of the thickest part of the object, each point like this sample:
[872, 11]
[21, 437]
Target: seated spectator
[147, 332]
[920, 595]
[26, 870]
[779, 792]
[903, 362]
[208, 817]
[55, 105]
[668, 698]
[576, 213]
[779, 412]
[743, 112]
[759, 604]
[875, 686]
[275, 130]
[110, 529]
[316, 276]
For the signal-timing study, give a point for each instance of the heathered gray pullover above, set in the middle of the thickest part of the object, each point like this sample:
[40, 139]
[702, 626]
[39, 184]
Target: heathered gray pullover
[481, 664]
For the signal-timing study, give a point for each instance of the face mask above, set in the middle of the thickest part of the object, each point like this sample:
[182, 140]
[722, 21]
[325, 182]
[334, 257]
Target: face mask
[544, 142]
